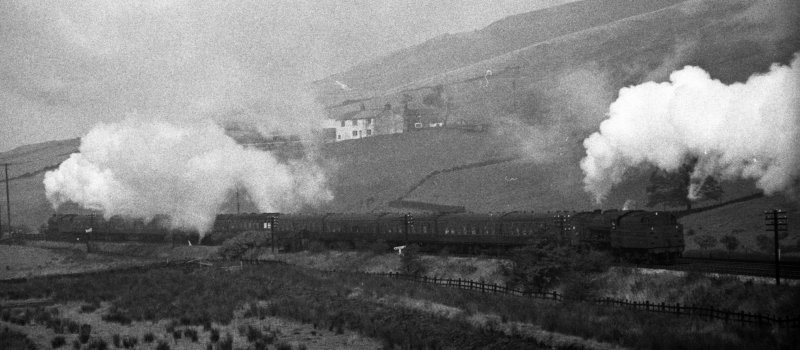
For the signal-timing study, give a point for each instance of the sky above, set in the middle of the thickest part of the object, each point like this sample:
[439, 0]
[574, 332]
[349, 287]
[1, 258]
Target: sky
[66, 66]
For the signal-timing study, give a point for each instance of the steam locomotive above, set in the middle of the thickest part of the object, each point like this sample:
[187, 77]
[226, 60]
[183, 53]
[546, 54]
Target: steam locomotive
[81, 228]
[635, 235]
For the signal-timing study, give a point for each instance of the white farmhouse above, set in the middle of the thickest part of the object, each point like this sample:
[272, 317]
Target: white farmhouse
[351, 125]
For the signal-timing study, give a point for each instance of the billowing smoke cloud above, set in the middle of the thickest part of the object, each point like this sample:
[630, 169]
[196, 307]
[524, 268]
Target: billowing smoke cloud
[141, 168]
[747, 130]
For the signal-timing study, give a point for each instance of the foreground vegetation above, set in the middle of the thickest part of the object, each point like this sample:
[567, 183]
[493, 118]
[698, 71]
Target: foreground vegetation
[357, 302]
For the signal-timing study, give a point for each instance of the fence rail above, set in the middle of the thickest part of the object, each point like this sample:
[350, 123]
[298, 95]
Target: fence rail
[675, 309]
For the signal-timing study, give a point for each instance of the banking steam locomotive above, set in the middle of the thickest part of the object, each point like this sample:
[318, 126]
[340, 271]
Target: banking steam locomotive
[636, 235]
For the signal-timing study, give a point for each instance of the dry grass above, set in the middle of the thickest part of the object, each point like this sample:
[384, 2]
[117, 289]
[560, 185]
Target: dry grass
[472, 268]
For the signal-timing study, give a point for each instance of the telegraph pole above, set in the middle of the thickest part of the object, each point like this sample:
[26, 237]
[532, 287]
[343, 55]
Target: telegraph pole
[272, 222]
[776, 222]
[8, 202]
[561, 223]
[409, 221]
[237, 200]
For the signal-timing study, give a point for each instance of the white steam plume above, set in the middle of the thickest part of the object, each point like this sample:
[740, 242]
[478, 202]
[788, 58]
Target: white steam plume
[745, 130]
[144, 168]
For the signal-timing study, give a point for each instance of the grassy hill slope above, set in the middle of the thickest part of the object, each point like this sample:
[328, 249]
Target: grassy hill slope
[448, 52]
[29, 207]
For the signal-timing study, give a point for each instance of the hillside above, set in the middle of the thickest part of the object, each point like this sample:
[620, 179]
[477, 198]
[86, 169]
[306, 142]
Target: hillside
[452, 51]
[571, 78]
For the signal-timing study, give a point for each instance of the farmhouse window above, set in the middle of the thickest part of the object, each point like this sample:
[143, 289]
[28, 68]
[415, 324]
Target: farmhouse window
[355, 122]
[342, 123]
[369, 132]
[355, 133]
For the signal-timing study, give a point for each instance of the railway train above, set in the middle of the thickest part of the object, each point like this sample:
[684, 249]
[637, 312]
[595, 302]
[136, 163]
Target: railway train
[634, 235]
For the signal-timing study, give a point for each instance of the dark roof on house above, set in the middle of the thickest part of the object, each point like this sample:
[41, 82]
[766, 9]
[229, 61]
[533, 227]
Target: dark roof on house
[359, 114]
[421, 112]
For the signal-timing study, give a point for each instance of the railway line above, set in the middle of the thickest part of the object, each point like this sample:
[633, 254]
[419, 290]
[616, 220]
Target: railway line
[756, 268]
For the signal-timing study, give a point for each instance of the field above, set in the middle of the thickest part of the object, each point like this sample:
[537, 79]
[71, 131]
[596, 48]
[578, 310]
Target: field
[300, 306]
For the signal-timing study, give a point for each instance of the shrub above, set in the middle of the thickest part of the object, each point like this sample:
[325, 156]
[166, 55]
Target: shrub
[129, 342]
[162, 345]
[226, 343]
[591, 261]
[149, 337]
[730, 242]
[705, 242]
[539, 266]
[5, 315]
[118, 317]
[235, 247]
[86, 308]
[191, 333]
[58, 342]
[379, 247]
[97, 344]
[73, 327]
[765, 243]
[85, 333]
[177, 334]
[214, 335]
[283, 346]
[76, 344]
[253, 334]
[116, 340]
[411, 263]
[316, 247]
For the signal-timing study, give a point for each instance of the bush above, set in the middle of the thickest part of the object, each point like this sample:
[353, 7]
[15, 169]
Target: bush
[730, 242]
[116, 340]
[214, 335]
[117, 316]
[411, 262]
[91, 307]
[253, 333]
[539, 266]
[73, 327]
[85, 333]
[316, 247]
[283, 346]
[162, 345]
[149, 337]
[765, 243]
[591, 261]
[191, 333]
[379, 247]
[235, 247]
[226, 343]
[129, 342]
[58, 342]
[97, 344]
[705, 242]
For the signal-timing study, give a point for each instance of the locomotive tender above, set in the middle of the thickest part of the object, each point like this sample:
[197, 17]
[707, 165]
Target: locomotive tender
[635, 235]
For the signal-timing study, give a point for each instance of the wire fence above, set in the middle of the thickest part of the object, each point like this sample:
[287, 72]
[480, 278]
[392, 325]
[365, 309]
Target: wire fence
[709, 313]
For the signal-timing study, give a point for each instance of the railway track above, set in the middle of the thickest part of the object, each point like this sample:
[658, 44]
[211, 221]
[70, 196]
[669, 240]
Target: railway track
[788, 269]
